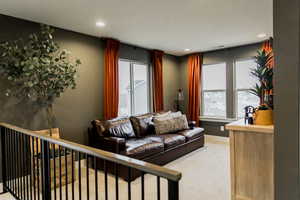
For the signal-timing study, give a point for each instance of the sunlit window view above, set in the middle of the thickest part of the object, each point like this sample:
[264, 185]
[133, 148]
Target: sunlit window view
[244, 81]
[133, 88]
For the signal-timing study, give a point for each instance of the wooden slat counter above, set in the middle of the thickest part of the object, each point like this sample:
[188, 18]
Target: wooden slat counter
[251, 161]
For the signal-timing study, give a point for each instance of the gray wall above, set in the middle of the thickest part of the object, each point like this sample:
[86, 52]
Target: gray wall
[225, 55]
[171, 83]
[286, 102]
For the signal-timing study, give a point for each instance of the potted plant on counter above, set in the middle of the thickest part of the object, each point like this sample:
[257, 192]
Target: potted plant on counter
[37, 69]
[264, 88]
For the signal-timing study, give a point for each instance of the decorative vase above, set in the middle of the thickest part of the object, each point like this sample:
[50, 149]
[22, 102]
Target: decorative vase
[263, 117]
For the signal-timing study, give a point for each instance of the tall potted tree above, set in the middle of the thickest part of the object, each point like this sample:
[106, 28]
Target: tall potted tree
[38, 70]
[264, 89]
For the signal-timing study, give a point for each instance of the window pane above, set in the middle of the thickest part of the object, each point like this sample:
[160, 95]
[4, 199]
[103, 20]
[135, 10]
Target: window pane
[124, 89]
[214, 77]
[245, 98]
[141, 93]
[244, 79]
[214, 104]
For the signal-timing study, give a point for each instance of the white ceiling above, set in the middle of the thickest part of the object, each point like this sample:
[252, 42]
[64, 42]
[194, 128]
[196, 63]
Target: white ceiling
[169, 25]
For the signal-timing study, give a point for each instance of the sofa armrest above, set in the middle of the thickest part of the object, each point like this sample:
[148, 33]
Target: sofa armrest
[111, 144]
[192, 124]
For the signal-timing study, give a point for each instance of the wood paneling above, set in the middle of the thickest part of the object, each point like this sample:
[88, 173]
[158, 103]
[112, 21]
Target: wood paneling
[252, 162]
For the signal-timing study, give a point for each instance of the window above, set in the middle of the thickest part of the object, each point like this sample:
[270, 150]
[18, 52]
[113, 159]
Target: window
[133, 88]
[243, 82]
[214, 90]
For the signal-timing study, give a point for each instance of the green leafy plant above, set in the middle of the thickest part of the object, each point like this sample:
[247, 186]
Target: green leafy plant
[37, 69]
[264, 74]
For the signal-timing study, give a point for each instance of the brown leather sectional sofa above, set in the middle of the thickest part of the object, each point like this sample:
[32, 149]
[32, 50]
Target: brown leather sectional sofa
[135, 137]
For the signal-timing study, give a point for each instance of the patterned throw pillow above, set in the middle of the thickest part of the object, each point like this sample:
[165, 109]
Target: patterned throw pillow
[171, 125]
[142, 124]
[119, 127]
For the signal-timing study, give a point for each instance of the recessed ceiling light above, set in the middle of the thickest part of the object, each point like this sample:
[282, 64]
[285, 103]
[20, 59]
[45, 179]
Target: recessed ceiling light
[187, 49]
[262, 35]
[100, 24]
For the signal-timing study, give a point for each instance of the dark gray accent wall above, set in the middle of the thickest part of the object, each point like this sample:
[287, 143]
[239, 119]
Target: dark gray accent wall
[75, 108]
[135, 53]
[214, 128]
[171, 83]
[286, 102]
[229, 56]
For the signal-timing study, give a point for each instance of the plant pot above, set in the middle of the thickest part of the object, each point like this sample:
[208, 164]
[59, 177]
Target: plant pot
[263, 117]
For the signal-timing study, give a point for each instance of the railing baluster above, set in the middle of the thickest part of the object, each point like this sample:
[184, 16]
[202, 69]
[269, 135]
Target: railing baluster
[87, 177]
[38, 158]
[8, 164]
[96, 178]
[13, 164]
[143, 186]
[117, 180]
[54, 170]
[129, 183]
[25, 160]
[7, 160]
[46, 170]
[173, 190]
[73, 192]
[33, 168]
[158, 188]
[49, 159]
[22, 174]
[79, 174]
[105, 179]
[60, 173]
[66, 171]
[30, 166]
[17, 142]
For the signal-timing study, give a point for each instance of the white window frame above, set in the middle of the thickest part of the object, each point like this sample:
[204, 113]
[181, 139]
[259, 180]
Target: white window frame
[235, 87]
[132, 100]
[202, 116]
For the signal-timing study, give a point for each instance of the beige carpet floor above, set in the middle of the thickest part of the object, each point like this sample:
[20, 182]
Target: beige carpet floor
[205, 176]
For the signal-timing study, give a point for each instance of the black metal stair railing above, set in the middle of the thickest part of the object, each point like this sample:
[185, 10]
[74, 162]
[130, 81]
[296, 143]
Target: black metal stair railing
[36, 167]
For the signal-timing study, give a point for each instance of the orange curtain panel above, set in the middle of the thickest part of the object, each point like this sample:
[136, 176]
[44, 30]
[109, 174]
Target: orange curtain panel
[157, 62]
[111, 79]
[194, 75]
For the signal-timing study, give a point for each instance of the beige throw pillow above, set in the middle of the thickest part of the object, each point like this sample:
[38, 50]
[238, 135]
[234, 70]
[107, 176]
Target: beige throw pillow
[171, 125]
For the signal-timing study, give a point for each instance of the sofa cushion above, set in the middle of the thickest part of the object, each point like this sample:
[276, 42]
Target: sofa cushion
[169, 140]
[142, 124]
[119, 128]
[170, 125]
[192, 133]
[141, 148]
